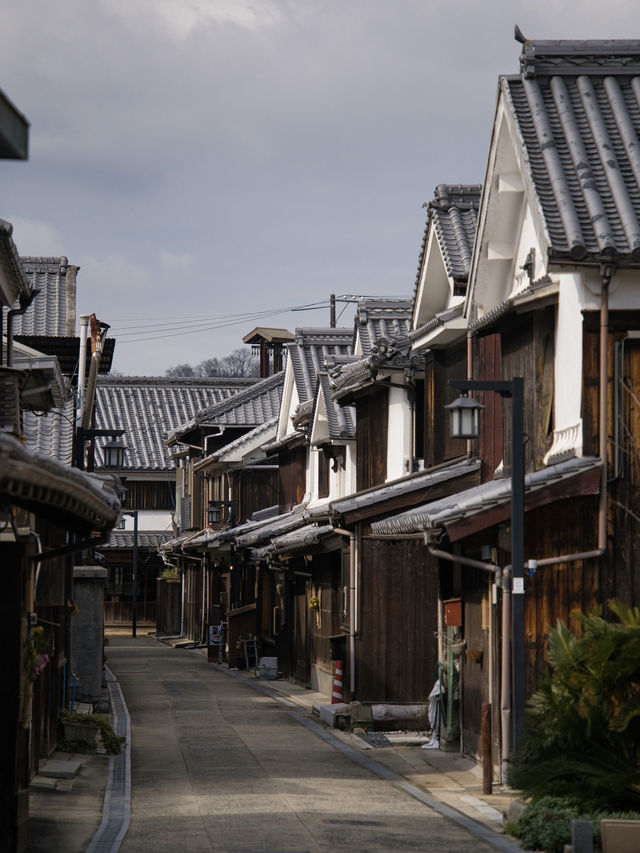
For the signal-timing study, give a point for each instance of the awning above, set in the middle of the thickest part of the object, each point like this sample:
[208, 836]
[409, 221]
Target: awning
[122, 540]
[74, 500]
[404, 487]
[483, 506]
[308, 538]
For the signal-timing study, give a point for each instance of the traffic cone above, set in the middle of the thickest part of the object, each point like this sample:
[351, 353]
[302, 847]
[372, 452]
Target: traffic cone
[336, 693]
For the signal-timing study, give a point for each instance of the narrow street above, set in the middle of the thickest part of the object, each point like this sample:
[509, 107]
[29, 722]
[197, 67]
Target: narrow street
[217, 765]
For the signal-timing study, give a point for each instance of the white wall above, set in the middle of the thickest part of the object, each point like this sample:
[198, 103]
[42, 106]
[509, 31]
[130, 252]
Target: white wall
[400, 433]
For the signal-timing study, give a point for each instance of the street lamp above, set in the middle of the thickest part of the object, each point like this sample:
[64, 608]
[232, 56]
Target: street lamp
[464, 412]
[214, 512]
[114, 453]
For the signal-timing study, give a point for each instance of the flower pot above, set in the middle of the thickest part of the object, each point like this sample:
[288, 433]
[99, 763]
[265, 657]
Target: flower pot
[80, 732]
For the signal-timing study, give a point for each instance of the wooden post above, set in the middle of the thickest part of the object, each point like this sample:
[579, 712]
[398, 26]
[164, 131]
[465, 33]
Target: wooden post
[487, 761]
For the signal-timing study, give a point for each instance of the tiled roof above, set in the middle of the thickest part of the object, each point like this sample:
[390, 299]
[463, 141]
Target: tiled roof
[478, 499]
[342, 419]
[53, 311]
[309, 353]
[148, 409]
[147, 539]
[70, 498]
[454, 214]
[382, 317]
[405, 486]
[249, 407]
[51, 434]
[249, 443]
[577, 105]
[67, 351]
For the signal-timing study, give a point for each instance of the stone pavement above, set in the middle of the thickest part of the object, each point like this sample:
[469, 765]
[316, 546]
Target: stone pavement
[64, 821]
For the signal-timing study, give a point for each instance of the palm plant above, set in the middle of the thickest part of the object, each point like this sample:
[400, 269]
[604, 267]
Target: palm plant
[584, 736]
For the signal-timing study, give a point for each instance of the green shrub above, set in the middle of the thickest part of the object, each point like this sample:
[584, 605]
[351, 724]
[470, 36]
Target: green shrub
[584, 721]
[546, 823]
[112, 742]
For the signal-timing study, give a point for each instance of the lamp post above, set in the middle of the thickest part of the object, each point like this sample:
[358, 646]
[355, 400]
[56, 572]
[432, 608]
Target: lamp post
[464, 420]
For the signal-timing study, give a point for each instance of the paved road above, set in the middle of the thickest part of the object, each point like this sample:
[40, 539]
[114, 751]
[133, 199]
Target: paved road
[218, 766]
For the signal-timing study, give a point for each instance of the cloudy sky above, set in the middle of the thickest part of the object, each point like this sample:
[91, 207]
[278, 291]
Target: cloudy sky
[213, 164]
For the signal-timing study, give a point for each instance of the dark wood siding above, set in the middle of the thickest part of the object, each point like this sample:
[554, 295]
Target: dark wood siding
[397, 650]
[255, 489]
[528, 351]
[292, 473]
[372, 419]
[439, 369]
[488, 366]
[145, 494]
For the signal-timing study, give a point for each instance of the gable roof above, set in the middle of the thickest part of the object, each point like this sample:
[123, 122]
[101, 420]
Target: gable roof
[53, 311]
[310, 352]
[453, 214]
[576, 104]
[249, 407]
[381, 317]
[148, 409]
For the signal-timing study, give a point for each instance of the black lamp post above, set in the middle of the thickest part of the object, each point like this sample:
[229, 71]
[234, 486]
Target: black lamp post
[465, 421]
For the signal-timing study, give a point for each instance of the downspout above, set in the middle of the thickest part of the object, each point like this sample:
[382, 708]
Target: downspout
[82, 365]
[606, 272]
[352, 606]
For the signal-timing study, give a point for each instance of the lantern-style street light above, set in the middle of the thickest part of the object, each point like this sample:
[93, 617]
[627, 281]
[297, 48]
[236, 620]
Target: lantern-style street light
[465, 424]
[114, 453]
[214, 512]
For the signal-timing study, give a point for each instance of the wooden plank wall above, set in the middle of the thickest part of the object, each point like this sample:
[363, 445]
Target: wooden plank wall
[397, 650]
[441, 366]
[372, 425]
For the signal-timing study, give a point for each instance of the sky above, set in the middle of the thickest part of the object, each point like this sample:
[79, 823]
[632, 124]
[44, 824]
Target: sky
[216, 165]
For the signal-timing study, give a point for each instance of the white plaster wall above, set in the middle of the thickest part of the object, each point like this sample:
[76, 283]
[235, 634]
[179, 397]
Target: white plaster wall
[568, 362]
[399, 434]
[149, 520]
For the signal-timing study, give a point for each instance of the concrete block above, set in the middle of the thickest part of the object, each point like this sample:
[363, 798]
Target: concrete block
[581, 836]
[360, 713]
[329, 713]
[515, 810]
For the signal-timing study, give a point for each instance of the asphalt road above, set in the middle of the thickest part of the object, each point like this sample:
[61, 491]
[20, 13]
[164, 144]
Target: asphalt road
[218, 766]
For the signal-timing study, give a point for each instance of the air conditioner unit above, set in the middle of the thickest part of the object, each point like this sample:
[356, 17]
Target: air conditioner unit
[10, 403]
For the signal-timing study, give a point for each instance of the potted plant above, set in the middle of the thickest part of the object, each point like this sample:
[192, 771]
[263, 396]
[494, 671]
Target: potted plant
[81, 731]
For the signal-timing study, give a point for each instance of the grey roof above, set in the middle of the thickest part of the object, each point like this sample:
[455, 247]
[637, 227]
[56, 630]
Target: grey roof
[250, 442]
[309, 536]
[249, 407]
[247, 535]
[309, 354]
[53, 311]
[405, 486]
[577, 104]
[342, 419]
[72, 499]
[453, 212]
[148, 409]
[541, 289]
[386, 317]
[478, 499]
[51, 434]
[147, 539]
[438, 322]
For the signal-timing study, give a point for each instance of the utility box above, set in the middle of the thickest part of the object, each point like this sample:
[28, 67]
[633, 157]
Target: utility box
[453, 612]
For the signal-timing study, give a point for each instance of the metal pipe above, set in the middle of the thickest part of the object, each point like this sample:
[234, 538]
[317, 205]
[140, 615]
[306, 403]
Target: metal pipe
[25, 301]
[464, 561]
[606, 272]
[82, 365]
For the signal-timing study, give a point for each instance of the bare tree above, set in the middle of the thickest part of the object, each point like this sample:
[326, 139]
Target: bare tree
[240, 362]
